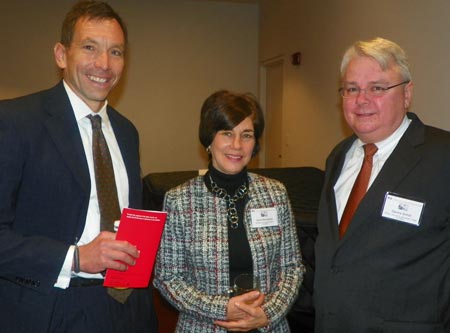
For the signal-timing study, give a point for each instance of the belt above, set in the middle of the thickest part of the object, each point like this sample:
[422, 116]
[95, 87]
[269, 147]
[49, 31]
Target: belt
[82, 282]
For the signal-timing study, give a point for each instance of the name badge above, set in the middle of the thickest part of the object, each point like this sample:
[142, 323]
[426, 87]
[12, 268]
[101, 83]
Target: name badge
[264, 217]
[402, 209]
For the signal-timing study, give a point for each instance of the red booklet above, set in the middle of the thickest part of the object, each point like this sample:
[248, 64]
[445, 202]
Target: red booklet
[142, 228]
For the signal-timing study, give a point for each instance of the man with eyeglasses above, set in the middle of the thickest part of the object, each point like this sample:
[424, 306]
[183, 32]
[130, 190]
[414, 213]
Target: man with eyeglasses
[383, 250]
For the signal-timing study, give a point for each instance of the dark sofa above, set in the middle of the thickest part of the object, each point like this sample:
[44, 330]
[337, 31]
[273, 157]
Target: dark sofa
[304, 186]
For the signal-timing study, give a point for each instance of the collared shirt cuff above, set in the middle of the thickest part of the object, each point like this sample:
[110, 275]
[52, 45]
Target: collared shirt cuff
[64, 276]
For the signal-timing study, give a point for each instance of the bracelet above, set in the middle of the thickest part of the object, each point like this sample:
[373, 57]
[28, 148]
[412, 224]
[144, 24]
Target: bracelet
[76, 260]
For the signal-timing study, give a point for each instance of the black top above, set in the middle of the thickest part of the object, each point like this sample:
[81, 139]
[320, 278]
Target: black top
[240, 256]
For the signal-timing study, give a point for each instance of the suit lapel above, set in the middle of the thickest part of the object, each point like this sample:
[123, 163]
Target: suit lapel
[63, 129]
[396, 168]
[128, 148]
[336, 164]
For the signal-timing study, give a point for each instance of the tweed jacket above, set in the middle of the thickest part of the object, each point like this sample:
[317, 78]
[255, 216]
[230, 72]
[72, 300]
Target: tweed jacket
[192, 270]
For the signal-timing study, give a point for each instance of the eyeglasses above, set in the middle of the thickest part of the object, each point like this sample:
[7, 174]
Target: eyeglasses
[374, 90]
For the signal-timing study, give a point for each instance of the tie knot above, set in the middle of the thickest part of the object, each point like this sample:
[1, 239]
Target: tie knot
[96, 121]
[370, 149]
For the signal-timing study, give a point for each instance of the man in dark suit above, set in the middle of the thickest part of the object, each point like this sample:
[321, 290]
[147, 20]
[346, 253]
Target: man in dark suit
[388, 269]
[52, 252]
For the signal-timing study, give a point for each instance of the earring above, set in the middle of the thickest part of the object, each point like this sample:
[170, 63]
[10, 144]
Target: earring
[208, 150]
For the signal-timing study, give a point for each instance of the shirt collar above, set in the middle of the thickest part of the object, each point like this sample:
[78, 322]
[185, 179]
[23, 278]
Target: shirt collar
[386, 144]
[80, 108]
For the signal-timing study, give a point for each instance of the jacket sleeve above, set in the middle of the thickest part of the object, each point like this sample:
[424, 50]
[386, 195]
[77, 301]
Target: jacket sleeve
[286, 281]
[173, 276]
[33, 260]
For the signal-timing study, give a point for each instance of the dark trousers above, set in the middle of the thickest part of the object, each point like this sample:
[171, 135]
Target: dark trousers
[80, 309]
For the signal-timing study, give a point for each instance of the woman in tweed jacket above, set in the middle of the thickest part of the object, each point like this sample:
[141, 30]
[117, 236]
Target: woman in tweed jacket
[203, 247]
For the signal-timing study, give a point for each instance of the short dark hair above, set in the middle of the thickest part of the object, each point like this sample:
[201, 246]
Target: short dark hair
[90, 10]
[224, 110]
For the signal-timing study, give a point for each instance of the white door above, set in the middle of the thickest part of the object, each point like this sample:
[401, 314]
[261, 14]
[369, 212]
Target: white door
[272, 101]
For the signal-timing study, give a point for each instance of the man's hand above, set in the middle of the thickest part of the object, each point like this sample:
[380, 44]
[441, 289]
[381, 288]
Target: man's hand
[105, 252]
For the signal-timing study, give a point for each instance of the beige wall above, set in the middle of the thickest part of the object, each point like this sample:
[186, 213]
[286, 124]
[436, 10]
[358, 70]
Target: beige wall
[180, 52]
[322, 30]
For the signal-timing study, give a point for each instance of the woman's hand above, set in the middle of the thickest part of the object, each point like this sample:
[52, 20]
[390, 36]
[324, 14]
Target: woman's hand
[244, 313]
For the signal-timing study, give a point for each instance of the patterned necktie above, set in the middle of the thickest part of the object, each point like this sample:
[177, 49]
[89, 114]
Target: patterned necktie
[106, 190]
[359, 188]
[104, 177]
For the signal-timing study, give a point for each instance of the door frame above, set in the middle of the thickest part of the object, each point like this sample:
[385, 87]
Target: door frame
[279, 59]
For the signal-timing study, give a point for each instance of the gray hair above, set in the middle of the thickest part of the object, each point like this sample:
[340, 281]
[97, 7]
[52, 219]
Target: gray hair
[385, 52]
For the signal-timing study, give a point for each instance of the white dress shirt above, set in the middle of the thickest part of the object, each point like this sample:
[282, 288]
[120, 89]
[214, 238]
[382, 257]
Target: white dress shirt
[92, 226]
[353, 162]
